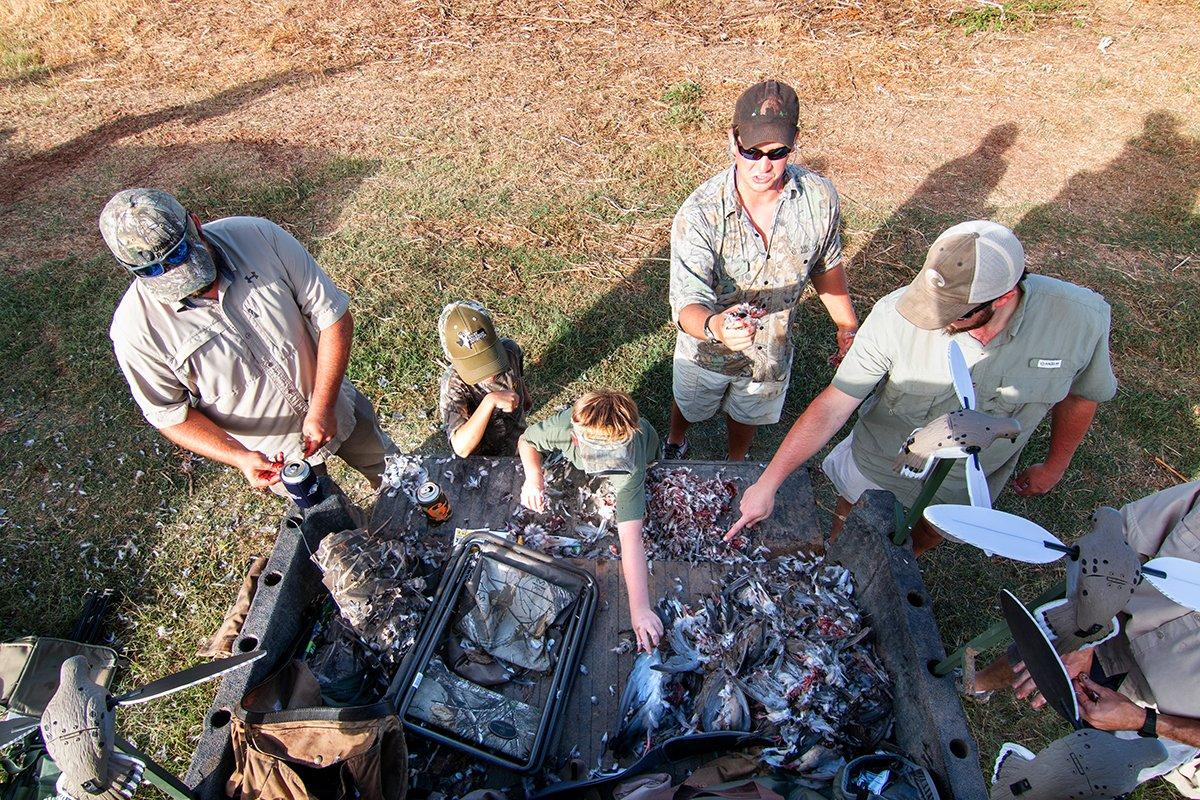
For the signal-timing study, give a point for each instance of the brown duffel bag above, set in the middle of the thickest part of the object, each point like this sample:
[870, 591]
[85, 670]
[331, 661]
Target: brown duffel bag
[288, 746]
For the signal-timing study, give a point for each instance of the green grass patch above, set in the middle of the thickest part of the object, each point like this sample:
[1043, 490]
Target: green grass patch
[1020, 14]
[20, 61]
[683, 105]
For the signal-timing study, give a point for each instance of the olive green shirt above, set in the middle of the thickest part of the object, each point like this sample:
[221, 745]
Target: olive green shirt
[719, 260]
[554, 433]
[1055, 344]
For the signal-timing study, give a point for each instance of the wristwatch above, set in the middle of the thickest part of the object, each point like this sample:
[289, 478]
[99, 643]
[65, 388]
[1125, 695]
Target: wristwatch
[708, 334]
[1149, 727]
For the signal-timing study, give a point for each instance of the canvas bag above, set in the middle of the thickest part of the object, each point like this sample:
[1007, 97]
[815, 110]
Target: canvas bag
[287, 746]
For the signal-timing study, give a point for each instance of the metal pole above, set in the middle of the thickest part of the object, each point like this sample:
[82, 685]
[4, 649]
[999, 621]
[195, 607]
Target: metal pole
[156, 774]
[997, 633]
[932, 484]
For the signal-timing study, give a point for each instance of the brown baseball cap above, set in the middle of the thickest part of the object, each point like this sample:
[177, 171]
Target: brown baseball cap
[470, 342]
[969, 264]
[766, 112]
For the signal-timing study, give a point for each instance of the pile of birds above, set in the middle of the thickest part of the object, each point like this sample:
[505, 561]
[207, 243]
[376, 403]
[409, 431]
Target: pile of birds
[682, 514]
[782, 653]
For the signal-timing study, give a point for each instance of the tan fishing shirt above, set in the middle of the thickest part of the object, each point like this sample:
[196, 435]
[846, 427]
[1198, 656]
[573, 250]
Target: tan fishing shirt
[247, 360]
[1055, 344]
[718, 260]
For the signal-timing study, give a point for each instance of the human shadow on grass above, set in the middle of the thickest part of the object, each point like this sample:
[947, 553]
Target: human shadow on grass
[58, 160]
[96, 483]
[1128, 231]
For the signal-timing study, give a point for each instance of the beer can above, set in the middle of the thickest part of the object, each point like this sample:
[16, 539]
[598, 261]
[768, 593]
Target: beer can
[301, 483]
[433, 502]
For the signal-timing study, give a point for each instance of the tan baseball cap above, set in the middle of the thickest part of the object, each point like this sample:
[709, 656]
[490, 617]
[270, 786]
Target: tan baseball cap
[969, 264]
[470, 342]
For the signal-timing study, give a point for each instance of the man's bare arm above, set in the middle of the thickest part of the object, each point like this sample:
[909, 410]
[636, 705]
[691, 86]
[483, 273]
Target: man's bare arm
[203, 437]
[834, 292]
[1070, 419]
[820, 421]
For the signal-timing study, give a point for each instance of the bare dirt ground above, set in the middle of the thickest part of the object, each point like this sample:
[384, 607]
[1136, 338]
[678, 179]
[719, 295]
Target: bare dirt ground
[532, 155]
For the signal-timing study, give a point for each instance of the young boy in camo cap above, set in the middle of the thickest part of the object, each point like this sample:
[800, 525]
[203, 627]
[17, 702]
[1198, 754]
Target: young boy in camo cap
[602, 434]
[483, 394]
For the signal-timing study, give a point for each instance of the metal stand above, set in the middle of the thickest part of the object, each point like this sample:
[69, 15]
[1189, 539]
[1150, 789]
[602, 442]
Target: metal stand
[996, 634]
[156, 774]
[906, 522]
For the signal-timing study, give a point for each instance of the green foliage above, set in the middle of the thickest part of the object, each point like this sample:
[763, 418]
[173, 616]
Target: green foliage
[1021, 14]
[19, 61]
[683, 105]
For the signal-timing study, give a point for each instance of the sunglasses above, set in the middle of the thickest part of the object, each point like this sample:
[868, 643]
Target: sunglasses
[174, 258]
[754, 154]
[974, 311]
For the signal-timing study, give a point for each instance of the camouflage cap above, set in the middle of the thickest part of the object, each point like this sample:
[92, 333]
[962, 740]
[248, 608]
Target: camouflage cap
[141, 227]
[470, 342]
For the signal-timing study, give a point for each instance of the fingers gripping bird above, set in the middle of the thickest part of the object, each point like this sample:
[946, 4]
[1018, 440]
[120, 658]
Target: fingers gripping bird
[77, 727]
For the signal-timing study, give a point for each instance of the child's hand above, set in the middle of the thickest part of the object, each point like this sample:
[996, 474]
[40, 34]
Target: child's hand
[505, 400]
[647, 627]
[533, 493]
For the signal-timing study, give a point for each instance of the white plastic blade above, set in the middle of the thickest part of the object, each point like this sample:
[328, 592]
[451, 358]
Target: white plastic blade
[977, 487]
[995, 532]
[961, 375]
[1182, 583]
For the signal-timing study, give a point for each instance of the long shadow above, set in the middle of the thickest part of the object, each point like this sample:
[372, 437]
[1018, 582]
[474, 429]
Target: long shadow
[57, 160]
[93, 485]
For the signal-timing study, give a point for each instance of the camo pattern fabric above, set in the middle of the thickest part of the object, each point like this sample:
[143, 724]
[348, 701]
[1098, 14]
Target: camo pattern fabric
[369, 579]
[459, 399]
[142, 226]
[512, 613]
[718, 260]
[473, 713]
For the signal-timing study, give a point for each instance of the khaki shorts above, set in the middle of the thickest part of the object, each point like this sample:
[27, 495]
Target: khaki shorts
[699, 393]
[841, 470]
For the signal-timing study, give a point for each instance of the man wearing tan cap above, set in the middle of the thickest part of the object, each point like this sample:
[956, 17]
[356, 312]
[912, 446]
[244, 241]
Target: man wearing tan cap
[1034, 345]
[483, 394]
[743, 247]
[234, 342]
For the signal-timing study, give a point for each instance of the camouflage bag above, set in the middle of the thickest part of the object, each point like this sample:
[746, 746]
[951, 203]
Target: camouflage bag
[473, 713]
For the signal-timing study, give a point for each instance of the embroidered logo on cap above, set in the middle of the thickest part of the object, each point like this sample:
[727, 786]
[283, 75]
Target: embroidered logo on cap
[468, 338]
[934, 278]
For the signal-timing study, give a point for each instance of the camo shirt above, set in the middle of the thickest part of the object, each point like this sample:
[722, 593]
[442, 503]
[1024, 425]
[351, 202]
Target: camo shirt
[459, 400]
[719, 260]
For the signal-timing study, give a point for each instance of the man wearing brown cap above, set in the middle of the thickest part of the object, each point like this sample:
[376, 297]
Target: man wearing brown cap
[234, 342]
[743, 247]
[1034, 345]
[483, 397]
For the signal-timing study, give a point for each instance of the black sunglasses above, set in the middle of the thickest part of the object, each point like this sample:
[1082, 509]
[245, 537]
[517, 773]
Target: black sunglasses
[174, 258]
[974, 311]
[754, 154]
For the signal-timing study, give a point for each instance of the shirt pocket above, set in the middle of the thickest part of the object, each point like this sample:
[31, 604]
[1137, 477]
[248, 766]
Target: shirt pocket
[216, 368]
[913, 406]
[1027, 387]
[1169, 657]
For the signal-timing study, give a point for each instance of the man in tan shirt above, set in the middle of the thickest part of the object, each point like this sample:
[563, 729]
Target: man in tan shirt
[1145, 679]
[234, 342]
